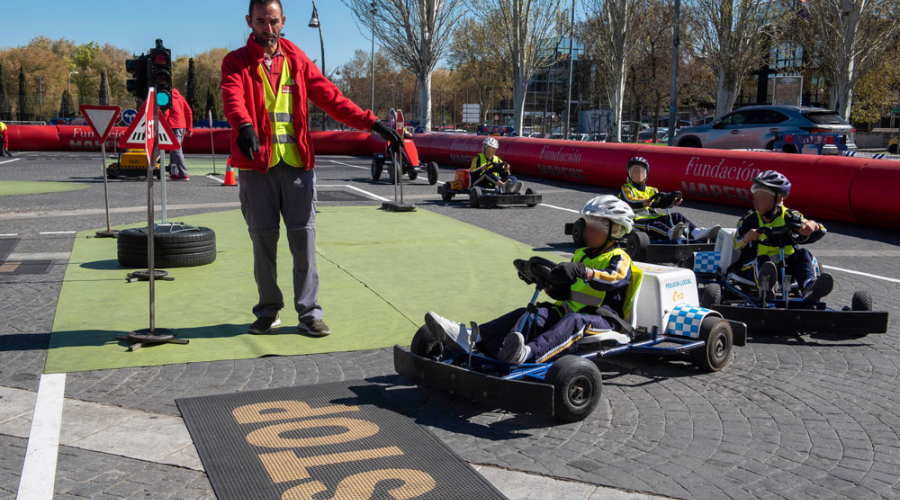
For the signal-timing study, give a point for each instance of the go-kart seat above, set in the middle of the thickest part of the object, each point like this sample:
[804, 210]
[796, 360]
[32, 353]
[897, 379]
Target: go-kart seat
[623, 334]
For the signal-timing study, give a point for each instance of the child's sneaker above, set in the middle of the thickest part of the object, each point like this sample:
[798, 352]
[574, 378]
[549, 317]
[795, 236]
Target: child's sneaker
[451, 333]
[705, 233]
[818, 288]
[677, 232]
[514, 350]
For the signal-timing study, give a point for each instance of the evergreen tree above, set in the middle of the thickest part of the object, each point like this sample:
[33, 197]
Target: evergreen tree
[24, 112]
[65, 107]
[4, 101]
[104, 89]
[193, 93]
[211, 103]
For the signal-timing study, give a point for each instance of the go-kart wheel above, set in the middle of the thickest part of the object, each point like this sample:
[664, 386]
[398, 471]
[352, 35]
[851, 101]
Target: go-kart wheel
[473, 197]
[425, 344]
[861, 301]
[578, 233]
[445, 193]
[412, 174]
[636, 244]
[711, 296]
[577, 387]
[432, 170]
[157, 174]
[377, 167]
[719, 338]
[529, 192]
[392, 172]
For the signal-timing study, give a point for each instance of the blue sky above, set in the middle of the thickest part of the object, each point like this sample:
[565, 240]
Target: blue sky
[186, 26]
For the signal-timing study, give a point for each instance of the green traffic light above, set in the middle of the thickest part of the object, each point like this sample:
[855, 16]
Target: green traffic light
[162, 99]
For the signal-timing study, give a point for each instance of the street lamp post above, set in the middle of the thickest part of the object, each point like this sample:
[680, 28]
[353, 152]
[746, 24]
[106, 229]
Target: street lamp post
[571, 70]
[70, 88]
[373, 56]
[314, 23]
[673, 94]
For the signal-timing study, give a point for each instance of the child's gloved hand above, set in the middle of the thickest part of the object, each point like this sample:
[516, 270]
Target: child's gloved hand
[568, 272]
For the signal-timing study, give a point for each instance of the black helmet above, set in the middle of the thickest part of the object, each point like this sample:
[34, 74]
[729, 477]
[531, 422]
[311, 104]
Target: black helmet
[774, 181]
[637, 160]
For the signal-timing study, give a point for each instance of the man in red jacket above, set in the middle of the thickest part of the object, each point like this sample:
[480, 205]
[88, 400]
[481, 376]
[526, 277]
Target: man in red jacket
[181, 120]
[265, 87]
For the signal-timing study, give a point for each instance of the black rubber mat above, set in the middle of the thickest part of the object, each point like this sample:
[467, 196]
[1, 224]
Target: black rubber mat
[341, 196]
[25, 267]
[6, 247]
[338, 440]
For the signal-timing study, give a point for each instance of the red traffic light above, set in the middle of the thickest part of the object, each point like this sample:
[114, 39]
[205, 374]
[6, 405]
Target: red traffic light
[160, 59]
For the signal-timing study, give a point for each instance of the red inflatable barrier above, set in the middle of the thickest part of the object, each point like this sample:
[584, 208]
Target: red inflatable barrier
[840, 188]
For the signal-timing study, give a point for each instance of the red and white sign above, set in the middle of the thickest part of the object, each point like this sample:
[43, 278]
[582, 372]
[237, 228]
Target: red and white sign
[140, 132]
[401, 124]
[101, 118]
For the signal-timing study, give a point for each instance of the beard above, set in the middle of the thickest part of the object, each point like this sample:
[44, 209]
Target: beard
[267, 40]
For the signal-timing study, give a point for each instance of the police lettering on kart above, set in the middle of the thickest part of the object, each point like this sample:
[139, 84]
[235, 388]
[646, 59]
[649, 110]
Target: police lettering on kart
[763, 253]
[488, 182]
[540, 359]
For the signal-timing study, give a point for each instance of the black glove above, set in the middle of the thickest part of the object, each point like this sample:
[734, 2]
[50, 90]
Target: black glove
[248, 142]
[559, 293]
[388, 134]
[568, 272]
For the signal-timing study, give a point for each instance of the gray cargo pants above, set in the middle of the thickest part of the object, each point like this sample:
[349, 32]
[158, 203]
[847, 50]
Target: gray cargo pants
[266, 197]
[176, 158]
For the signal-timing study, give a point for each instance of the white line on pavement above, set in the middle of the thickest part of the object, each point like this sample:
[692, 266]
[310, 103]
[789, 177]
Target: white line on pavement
[58, 232]
[893, 280]
[373, 195]
[560, 208]
[9, 161]
[349, 165]
[39, 470]
[221, 181]
[9, 234]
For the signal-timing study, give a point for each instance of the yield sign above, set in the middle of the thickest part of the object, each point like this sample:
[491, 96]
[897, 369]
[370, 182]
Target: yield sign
[140, 132]
[101, 119]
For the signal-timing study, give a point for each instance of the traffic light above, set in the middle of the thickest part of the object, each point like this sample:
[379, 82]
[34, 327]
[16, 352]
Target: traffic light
[160, 74]
[137, 84]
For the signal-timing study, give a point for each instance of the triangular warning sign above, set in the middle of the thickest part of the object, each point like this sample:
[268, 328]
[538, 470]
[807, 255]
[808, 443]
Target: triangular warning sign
[101, 118]
[136, 135]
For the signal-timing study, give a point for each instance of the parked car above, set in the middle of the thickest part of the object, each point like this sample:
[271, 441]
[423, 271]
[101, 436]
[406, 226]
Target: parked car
[647, 135]
[759, 127]
[579, 137]
[664, 122]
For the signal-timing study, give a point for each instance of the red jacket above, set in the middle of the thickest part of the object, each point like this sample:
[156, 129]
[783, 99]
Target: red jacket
[180, 114]
[244, 102]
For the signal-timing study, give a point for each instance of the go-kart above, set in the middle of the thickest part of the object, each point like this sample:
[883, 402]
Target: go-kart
[647, 247]
[781, 310]
[410, 164]
[481, 197]
[664, 321]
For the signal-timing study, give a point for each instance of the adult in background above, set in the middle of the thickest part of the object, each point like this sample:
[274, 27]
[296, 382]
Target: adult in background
[265, 87]
[181, 120]
[4, 140]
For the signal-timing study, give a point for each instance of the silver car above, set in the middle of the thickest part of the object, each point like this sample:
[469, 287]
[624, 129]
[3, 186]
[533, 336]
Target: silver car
[759, 127]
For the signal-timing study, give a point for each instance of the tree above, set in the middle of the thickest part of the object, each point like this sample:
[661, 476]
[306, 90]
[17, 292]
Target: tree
[4, 101]
[24, 111]
[731, 35]
[846, 38]
[65, 106]
[480, 59]
[104, 89]
[193, 92]
[417, 34]
[613, 32]
[211, 103]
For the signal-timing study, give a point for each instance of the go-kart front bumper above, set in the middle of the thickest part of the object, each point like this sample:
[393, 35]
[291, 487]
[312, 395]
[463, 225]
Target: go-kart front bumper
[518, 396]
[782, 321]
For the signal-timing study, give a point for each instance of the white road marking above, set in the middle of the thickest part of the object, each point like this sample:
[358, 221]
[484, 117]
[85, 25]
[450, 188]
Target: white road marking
[9, 161]
[15, 257]
[372, 195]
[9, 234]
[560, 208]
[39, 469]
[349, 165]
[892, 280]
[57, 232]
[221, 181]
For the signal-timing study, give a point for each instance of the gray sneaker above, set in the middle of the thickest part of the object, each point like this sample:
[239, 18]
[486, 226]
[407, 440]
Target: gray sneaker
[513, 351]
[516, 188]
[450, 333]
[677, 232]
[265, 325]
[315, 328]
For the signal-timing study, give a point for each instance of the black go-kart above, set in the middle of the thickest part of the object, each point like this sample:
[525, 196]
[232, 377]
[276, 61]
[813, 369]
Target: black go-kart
[778, 308]
[411, 167]
[645, 247]
[480, 197]
[570, 387]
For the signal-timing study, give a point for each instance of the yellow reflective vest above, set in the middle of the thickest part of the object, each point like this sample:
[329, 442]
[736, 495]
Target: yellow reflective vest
[280, 106]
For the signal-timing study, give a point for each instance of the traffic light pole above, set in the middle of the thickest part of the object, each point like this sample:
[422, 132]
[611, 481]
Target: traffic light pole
[162, 177]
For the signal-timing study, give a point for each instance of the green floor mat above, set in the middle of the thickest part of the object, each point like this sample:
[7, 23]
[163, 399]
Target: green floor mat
[11, 188]
[379, 273]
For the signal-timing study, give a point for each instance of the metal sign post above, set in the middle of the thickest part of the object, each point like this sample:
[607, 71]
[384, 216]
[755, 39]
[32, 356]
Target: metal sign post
[101, 119]
[212, 144]
[109, 233]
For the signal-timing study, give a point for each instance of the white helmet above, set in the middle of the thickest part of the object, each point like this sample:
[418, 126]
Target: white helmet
[490, 142]
[607, 208]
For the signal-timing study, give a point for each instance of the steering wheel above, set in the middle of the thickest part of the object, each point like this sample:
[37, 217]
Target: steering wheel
[537, 271]
[665, 200]
[783, 236]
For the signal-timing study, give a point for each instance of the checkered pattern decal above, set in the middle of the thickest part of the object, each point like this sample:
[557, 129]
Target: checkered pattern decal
[706, 262]
[684, 321]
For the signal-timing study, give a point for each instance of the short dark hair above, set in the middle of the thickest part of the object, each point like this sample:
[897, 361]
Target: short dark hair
[263, 2]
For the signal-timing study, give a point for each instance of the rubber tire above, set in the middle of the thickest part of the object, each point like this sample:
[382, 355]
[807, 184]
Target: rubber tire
[892, 149]
[412, 174]
[529, 191]
[690, 143]
[578, 233]
[445, 193]
[717, 352]
[636, 243]
[789, 149]
[376, 169]
[432, 170]
[425, 344]
[473, 198]
[392, 171]
[567, 375]
[861, 301]
[187, 249]
[711, 295]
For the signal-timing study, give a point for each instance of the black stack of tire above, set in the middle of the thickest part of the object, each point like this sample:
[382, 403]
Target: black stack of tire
[172, 248]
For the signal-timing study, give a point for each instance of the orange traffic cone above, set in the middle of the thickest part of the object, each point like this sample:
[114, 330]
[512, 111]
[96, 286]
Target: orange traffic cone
[229, 174]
